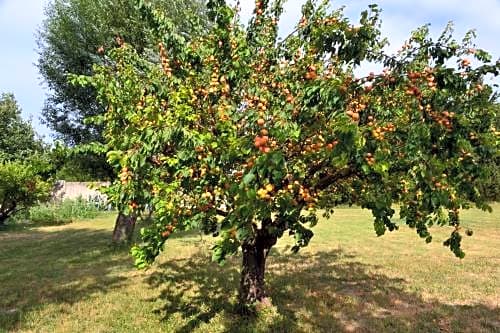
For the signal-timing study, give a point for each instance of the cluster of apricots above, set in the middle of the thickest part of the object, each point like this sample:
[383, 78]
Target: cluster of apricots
[258, 102]
[258, 6]
[379, 131]
[311, 73]
[165, 62]
[431, 82]
[298, 191]
[214, 81]
[306, 196]
[444, 118]
[328, 21]
[427, 76]
[169, 229]
[125, 176]
[261, 141]
[303, 22]
[142, 102]
[473, 136]
[370, 159]
[414, 91]
[354, 108]
[313, 144]
[265, 192]
[438, 184]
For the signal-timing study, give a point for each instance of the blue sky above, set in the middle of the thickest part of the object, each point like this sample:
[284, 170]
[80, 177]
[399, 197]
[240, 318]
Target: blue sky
[19, 20]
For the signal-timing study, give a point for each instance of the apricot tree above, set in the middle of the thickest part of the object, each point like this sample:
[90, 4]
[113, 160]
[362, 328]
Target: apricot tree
[248, 136]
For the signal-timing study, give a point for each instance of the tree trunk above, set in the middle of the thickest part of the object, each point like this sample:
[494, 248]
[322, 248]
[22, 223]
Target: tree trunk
[252, 275]
[6, 213]
[124, 228]
[3, 218]
[252, 284]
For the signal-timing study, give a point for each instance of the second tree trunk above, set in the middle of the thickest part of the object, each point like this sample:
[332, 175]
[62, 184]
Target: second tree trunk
[124, 228]
[252, 274]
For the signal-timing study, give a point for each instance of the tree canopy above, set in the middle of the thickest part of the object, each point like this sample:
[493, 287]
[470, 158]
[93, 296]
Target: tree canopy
[22, 168]
[17, 137]
[250, 137]
[71, 39]
[21, 185]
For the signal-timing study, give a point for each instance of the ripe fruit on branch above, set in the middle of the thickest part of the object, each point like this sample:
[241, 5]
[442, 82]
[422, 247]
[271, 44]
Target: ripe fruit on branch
[465, 62]
[354, 115]
[263, 193]
[261, 141]
[330, 146]
[265, 149]
[370, 159]
[310, 76]
[303, 22]
[261, 122]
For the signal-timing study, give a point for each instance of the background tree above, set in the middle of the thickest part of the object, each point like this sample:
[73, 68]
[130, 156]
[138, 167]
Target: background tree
[22, 185]
[249, 137]
[70, 40]
[17, 137]
[23, 169]
[490, 186]
[79, 164]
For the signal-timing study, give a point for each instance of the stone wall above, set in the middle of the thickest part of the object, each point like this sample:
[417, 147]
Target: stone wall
[73, 190]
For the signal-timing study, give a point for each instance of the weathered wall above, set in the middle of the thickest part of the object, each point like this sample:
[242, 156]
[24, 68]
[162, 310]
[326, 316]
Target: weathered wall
[73, 190]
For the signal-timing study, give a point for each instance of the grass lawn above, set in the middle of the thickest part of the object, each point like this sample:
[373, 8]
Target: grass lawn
[68, 279]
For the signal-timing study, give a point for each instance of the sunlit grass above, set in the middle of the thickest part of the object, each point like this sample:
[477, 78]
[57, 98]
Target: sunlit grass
[69, 279]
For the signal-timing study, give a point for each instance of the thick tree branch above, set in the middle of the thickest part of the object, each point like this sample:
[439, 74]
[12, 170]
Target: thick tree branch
[221, 212]
[329, 179]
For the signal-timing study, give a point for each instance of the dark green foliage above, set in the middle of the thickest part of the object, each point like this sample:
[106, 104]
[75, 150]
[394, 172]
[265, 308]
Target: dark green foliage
[70, 40]
[17, 137]
[23, 169]
[81, 165]
[21, 186]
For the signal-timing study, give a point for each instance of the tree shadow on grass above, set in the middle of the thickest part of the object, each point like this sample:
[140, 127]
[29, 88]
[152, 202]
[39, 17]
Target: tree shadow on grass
[57, 267]
[322, 292]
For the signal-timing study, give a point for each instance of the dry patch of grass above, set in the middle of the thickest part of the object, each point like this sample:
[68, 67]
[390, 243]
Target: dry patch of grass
[69, 279]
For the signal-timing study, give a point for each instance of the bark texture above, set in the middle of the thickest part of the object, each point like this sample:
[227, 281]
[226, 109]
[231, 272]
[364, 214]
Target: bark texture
[252, 283]
[6, 210]
[124, 228]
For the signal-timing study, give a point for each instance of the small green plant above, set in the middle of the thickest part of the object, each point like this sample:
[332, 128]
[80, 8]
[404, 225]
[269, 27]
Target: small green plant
[63, 212]
[21, 186]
